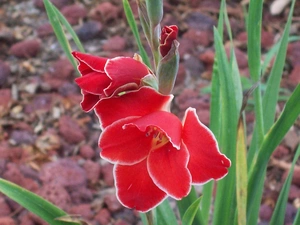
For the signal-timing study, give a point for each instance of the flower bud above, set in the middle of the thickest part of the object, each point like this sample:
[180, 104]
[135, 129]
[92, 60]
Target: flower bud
[168, 35]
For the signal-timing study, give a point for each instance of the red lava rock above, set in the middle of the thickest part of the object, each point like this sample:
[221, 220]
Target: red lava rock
[93, 170]
[89, 30]
[200, 21]
[199, 37]
[265, 212]
[116, 43]
[44, 30]
[290, 213]
[25, 219]
[294, 192]
[70, 130]
[181, 74]
[193, 65]
[12, 154]
[292, 139]
[280, 152]
[242, 37]
[107, 172]
[121, 222]
[58, 3]
[7, 221]
[207, 57]
[4, 72]
[87, 152]
[105, 12]
[6, 34]
[4, 208]
[103, 217]
[81, 194]
[112, 203]
[190, 98]
[62, 68]
[267, 39]
[74, 13]
[204, 115]
[296, 176]
[22, 137]
[57, 194]
[41, 102]
[293, 53]
[83, 210]
[64, 172]
[241, 57]
[26, 49]
[294, 77]
[5, 101]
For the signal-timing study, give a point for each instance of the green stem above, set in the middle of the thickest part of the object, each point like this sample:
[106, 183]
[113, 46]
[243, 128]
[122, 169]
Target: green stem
[149, 216]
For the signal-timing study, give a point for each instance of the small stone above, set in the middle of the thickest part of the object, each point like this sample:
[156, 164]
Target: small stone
[57, 194]
[112, 203]
[294, 77]
[292, 139]
[204, 116]
[44, 30]
[89, 30]
[64, 172]
[121, 222]
[7, 221]
[62, 68]
[93, 170]
[5, 101]
[22, 137]
[199, 37]
[293, 53]
[58, 3]
[105, 12]
[241, 57]
[4, 73]
[200, 21]
[103, 217]
[25, 219]
[290, 213]
[83, 210]
[193, 66]
[73, 13]
[280, 152]
[4, 208]
[26, 49]
[116, 43]
[267, 39]
[107, 172]
[41, 102]
[207, 57]
[70, 130]
[87, 152]
[294, 192]
[265, 212]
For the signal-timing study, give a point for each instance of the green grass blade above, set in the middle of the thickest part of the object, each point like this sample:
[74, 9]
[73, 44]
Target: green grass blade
[186, 202]
[165, 215]
[272, 139]
[37, 205]
[59, 32]
[134, 29]
[254, 58]
[69, 28]
[224, 212]
[191, 212]
[279, 211]
[297, 218]
[241, 174]
[271, 95]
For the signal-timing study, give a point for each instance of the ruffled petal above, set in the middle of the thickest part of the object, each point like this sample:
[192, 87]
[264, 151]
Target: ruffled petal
[131, 104]
[88, 101]
[135, 189]
[167, 123]
[89, 63]
[168, 169]
[206, 162]
[124, 70]
[124, 146]
[93, 82]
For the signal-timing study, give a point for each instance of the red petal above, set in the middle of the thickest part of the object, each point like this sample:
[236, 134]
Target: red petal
[89, 101]
[135, 188]
[124, 70]
[131, 104]
[93, 82]
[167, 122]
[89, 63]
[124, 146]
[206, 162]
[168, 169]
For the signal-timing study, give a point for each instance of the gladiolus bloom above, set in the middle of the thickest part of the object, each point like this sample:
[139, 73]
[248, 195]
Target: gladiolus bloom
[168, 35]
[156, 156]
[104, 78]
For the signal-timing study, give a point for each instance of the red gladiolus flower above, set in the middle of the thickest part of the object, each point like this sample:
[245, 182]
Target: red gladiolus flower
[156, 156]
[104, 78]
[168, 35]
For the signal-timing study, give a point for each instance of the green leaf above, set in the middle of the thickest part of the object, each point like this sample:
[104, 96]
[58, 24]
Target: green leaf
[165, 215]
[37, 205]
[279, 211]
[191, 212]
[186, 202]
[297, 218]
[134, 29]
[224, 212]
[271, 140]
[59, 32]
